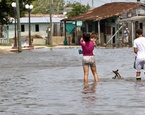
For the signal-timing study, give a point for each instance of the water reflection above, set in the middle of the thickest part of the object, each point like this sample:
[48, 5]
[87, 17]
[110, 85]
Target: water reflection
[140, 85]
[90, 88]
[89, 92]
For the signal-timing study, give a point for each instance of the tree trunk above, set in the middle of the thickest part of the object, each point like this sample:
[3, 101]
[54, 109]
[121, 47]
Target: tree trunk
[1, 31]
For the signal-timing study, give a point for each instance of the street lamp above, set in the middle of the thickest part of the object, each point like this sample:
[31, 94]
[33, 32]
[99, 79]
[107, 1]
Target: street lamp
[29, 8]
[15, 40]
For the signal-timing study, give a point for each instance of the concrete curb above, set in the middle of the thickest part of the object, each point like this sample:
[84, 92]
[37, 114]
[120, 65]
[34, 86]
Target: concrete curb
[11, 49]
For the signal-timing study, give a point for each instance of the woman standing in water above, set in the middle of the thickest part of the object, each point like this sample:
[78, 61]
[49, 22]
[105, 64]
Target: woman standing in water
[88, 57]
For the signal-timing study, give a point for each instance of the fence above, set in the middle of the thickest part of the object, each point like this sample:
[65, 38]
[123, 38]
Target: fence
[4, 41]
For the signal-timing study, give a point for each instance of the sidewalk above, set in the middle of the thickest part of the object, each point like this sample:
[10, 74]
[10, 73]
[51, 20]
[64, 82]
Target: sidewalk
[10, 49]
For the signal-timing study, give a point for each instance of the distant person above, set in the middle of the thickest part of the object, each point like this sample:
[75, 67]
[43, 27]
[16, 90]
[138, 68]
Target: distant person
[88, 59]
[126, 35]
[139, 50]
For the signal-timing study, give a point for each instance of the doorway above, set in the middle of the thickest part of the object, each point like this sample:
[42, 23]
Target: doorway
[113, 32]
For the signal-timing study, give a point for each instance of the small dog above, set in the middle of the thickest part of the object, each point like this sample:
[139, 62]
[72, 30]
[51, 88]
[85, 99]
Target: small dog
[117, 75]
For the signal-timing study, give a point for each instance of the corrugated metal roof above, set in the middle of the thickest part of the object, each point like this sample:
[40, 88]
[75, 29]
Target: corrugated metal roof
[39, 19]
[106, 11]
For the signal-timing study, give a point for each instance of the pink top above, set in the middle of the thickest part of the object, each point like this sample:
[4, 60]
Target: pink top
[87, 48]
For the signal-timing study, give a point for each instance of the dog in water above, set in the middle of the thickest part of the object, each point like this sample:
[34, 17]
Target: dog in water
[117, 75]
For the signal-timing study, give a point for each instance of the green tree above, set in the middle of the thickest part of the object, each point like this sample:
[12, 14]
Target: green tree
[42, 6]
[77, 9]
[58, 6]
[7, 11]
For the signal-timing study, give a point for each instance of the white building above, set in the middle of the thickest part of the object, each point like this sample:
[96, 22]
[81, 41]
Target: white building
[39, 26]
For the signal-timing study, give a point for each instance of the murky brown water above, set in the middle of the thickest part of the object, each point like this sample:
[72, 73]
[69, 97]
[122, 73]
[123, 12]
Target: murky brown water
[45, 82]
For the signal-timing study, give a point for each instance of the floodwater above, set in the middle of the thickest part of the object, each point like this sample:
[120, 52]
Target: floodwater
[50, 82]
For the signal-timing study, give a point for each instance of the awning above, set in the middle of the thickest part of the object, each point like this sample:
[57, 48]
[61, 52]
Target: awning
[135, 18]
[70, 27]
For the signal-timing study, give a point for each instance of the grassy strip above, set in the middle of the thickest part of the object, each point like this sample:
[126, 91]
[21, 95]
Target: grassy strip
[5, 44]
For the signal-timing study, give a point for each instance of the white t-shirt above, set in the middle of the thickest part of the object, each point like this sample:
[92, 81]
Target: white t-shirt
[139, 43]
[126, 33]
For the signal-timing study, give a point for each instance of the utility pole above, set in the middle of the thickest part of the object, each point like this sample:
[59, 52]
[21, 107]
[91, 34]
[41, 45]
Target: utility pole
[52, 6]
[58, 7]
[50, 36]
[18, 26]
[92, 3]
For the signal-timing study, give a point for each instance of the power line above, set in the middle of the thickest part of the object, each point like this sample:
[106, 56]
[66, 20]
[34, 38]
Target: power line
[101, 1]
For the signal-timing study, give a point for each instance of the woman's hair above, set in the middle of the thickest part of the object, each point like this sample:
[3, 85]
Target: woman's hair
[139, 31]
[86, 37]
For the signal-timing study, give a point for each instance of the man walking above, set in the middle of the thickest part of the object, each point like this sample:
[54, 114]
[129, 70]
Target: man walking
[139, 50]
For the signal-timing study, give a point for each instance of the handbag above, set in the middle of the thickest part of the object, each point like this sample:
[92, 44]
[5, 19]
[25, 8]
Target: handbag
[80, 51]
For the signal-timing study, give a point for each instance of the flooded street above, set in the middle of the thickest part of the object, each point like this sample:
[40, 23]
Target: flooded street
[50, 82]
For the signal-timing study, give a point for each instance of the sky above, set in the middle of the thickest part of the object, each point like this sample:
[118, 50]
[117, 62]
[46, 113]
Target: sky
[97, 3]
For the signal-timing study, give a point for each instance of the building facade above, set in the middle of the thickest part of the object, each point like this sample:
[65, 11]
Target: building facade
[110, 20]
[39, 26]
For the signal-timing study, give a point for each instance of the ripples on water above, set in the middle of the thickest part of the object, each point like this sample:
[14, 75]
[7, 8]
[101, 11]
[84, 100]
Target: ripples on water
[44, 81]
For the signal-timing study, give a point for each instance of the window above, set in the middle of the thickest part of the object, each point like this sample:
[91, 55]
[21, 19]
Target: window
[37, 28]
[108, 30]
[141, 25]
[113, 20]
[22, 28]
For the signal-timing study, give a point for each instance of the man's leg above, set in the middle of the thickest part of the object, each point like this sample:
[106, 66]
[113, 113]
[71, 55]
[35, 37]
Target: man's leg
[138, 76]
[138, 69]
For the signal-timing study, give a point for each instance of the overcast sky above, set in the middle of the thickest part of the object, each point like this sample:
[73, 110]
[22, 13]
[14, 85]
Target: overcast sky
[100, 2]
